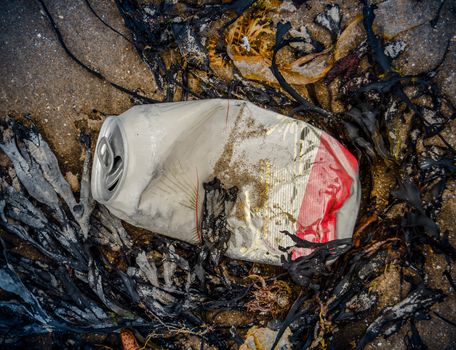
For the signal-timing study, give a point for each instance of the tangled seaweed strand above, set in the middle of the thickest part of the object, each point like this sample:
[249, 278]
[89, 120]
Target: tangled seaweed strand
[337, 286]
[74, 286]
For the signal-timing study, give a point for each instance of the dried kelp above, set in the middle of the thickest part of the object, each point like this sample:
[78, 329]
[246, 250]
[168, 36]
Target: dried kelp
[387, 322]
[339, 285]
[95, 280]
[217, 204]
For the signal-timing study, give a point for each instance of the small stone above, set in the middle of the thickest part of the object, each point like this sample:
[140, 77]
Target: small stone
[395, 16]
[73, 181]
[446, 76]
[422, 53]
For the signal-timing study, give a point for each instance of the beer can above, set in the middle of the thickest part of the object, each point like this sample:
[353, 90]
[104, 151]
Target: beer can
[151, 161]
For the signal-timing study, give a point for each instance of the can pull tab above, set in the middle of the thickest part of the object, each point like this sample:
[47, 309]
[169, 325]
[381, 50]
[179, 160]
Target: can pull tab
[111, 163]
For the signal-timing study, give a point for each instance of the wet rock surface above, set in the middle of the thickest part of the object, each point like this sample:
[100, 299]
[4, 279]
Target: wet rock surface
[447, 73]
[396, 16]
[37, 77]
[419, 25]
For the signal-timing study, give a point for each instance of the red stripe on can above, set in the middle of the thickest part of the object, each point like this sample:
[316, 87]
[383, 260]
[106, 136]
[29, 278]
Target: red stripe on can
[328, 187]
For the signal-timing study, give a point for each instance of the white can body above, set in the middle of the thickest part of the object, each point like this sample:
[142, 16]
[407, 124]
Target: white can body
[290, 175]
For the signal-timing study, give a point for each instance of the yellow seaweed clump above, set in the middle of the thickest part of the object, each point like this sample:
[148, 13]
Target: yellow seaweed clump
[250, 40]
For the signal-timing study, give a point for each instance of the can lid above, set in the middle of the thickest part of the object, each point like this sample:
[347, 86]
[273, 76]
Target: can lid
[109, 161]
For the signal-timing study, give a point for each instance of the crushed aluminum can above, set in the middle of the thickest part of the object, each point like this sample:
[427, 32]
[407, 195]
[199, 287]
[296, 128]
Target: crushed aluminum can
[152, 160]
